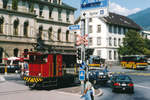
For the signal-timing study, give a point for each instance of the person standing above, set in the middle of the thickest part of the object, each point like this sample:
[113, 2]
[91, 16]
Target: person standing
[89, 91]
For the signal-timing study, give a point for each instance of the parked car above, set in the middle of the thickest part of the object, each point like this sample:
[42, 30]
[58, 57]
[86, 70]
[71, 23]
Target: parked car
[122, 83]
[98, 76]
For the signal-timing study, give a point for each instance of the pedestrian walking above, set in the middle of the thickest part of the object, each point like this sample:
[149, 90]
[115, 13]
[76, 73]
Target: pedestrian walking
[89, 91]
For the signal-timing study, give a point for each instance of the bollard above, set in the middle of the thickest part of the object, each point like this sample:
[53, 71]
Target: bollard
[6, 70]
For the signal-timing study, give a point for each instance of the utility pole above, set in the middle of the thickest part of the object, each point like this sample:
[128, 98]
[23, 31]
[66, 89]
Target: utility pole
[90, 9]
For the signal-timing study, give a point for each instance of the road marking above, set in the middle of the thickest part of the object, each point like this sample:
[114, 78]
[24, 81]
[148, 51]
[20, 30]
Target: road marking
[142, 86]
[142, 74]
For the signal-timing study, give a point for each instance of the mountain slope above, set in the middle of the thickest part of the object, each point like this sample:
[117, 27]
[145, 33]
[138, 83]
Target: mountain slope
[142, 18]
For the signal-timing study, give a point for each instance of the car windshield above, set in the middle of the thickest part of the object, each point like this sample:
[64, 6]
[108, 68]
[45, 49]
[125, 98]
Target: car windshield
[123, 78]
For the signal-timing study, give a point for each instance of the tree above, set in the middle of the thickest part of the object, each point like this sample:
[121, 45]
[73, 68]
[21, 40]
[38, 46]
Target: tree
[147, 45]
[133, 44]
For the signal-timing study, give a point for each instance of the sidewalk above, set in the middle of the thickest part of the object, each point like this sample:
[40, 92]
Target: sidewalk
[2, 79]
[77, 90]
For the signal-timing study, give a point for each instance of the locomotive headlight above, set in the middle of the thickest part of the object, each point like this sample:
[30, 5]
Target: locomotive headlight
[39, 74]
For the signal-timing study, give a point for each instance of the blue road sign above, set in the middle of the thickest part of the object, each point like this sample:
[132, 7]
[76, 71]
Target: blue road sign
[81, 75]
[74, 27]
[90, 4]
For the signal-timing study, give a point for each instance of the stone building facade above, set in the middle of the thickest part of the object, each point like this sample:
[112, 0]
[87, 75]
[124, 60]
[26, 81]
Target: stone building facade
[22, 22]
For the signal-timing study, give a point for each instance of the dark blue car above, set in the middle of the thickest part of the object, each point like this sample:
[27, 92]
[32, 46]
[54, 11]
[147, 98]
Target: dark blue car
[98, 76]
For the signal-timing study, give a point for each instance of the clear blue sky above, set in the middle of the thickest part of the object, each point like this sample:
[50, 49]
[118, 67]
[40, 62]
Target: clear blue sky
[124, 7]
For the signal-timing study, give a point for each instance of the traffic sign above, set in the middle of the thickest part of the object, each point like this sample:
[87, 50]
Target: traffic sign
[92, 4]
[74, 27]
[81, 75]
[94, 8]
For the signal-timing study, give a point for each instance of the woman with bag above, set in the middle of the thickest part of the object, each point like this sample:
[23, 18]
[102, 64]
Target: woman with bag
[89, 91]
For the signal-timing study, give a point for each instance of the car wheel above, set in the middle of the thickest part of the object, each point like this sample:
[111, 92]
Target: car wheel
[131, 91]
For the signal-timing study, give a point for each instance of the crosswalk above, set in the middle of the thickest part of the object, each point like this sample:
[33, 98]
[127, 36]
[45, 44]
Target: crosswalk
[2, 79]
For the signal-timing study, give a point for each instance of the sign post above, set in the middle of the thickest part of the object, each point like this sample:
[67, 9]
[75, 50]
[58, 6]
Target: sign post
[90, 9]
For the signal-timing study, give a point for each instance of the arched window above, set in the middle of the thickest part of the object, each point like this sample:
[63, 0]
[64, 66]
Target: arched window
[67, 35]
[5, 2]
[55, 1]
[59, 34]
[50, 30]
[1, 54]
[16, 24]
[16, 50]
[40, 32]
[1, 24]
[25, 28]
[25, 51]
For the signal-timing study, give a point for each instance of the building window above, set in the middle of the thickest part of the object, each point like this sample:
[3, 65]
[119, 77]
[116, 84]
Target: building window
[1, 24]
[15, 4]
[90, 19]
[40, 10]
[110, 28]
[31, 6]
[98, 40]
[67, 36]
[115, 55]
[99, 53]
[110, 41]
[119, 30]
[115, 42]
[59, 34]
[50, 30]
[110, 55]
[90, 29]
[55, 1]
[90, 41]
[67, 15]
[119, 42]
[16, 24]
[25, 28]
[1, 55]
[59, 1]
[59, 14]
[50, 11]
[98, 28]
[5, 2]
[40, 32]
[25, 52]
[115, 29]
[124, 31]
[16, 50]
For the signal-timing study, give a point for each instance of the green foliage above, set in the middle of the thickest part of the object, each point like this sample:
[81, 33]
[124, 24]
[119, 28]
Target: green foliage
[147, 45]
[133, 44]
[14, 4]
